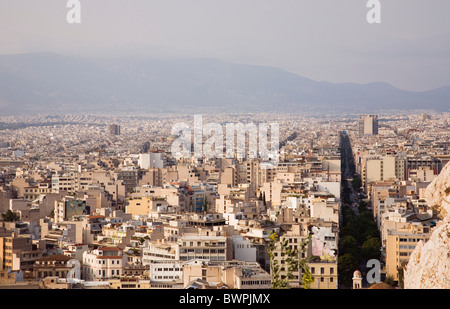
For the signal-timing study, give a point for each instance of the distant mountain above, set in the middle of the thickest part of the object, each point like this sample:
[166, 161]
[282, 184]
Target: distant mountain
[47, 82]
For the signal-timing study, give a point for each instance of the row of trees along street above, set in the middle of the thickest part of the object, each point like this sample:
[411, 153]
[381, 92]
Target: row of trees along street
[359, 237]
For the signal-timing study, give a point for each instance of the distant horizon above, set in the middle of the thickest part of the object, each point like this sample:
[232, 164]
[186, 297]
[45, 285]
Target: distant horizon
[322, 40]
[172, 58]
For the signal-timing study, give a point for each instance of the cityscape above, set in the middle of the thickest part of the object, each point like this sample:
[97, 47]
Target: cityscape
[170, 154]
[107, 195]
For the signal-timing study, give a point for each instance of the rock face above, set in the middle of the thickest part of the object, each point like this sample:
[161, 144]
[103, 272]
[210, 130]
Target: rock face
[429, 264]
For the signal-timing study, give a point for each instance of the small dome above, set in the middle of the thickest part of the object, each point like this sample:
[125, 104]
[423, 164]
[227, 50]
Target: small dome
[357, 274]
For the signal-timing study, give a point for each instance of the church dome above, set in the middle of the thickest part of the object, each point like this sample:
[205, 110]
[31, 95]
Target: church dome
[357, 274]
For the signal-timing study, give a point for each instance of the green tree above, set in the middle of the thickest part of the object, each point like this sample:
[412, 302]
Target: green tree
[205, 205]
[349, 245]
[356, 183]
[291, 261]
[371, 248]
[390, 280]
[10, 216]
[347, 264]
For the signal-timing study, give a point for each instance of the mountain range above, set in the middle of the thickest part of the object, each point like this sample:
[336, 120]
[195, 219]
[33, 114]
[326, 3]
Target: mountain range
[55, 83]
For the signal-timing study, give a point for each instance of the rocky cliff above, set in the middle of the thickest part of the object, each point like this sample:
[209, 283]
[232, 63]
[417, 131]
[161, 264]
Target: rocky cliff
[429, 264]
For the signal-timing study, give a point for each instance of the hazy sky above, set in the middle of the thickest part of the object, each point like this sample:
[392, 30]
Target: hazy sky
[326, 40]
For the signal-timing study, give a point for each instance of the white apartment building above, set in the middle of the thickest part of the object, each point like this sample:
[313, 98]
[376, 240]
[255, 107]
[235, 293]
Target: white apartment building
[151, 160]
[103, 263]
[243, 250]
[166, 271]
[156, 251]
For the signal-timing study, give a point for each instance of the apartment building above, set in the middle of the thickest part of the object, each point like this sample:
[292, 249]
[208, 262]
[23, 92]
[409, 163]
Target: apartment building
[400, 243]
[325, 208]
[227, 274]
[69, 207]
[211, 248]
[32, 193]
[52, 266]
[324, 274]
[143, 205]
[168, 271]
[17, 252]
[103, 263]
[159, 250]
[382, 168]
[368, 125]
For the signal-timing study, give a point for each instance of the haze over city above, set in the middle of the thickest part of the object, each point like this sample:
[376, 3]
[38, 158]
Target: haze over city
[321, 40]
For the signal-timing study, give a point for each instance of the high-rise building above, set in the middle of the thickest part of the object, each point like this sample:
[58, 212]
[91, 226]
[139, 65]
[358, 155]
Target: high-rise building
[368, 125]
[151, 160]
[114, 129]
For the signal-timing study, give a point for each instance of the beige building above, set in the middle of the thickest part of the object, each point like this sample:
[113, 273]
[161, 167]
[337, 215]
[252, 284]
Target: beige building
[382, 168]
[324, 273]
[400, 243]
[143, 205]
[18, 253]
[103, 263]
[33, 192]
[51, 266]
[211, 248]
[229, 274]
[129, 284]
[326, 209]
[160, 251]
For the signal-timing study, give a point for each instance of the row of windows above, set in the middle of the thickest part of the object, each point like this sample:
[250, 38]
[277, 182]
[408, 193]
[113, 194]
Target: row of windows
[302, 254]
[322, 270]
[407, 247]
[158, 255]
[240, 246]
[169, 269]
[203, 251]
[199, 244]
[102, 261]
[256, 282]
[410, 239]
[167, 277]
[113, 272]
[211, 258]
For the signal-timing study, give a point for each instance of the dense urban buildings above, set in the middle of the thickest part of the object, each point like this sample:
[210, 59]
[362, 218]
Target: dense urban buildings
[88, 203]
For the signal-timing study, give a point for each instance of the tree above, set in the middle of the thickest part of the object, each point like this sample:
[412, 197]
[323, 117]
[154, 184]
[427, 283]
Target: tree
[349, 245]
[347, 264]
[371, 248]
[10, 216]
[356, 183]
[390, 280]
[291, 261]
